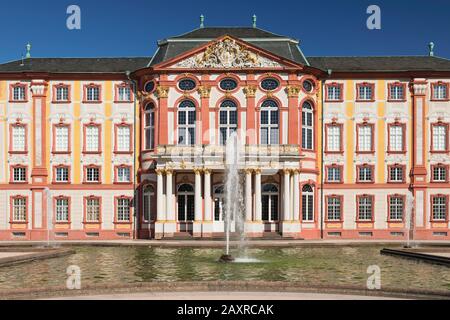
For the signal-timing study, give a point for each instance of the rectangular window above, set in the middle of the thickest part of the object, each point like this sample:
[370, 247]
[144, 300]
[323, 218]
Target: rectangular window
[333, 138]
[123, 93]
[334, 174]
[93, 93]
[440, 91]
[365, 174]
[365, 92]
[93, 210]
[123, 210]
[61, 174]
[396, 138]
[61, 139]
[19, 210]
[439, 173]
[396, 208]
[365, 138]
[92, 138]
[396, 92]
[439, 207]
[62, 210]
[18, 138]
[62, 93]
[19, 93]
[123, 174]
[92, 174]
[365, 208]
[439, 133]
[396, 174]
[334, 92]
[334, 208]
[19, 174]
[123, 139]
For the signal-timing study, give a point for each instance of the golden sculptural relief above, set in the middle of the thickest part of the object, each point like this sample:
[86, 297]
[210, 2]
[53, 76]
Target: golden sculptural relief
[227, 54]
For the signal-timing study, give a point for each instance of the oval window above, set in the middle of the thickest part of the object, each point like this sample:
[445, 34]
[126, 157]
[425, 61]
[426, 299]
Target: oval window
[149, 86]
[228, 84]
[270, 84]
[308, 86]
[187, 85]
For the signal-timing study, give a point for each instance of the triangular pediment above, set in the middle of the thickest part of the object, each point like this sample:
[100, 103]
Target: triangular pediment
[227, 53]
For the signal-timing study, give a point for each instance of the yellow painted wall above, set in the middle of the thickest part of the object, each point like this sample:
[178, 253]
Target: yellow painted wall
[77, 134]
[107, 133]
[380, 133]
[349, 132]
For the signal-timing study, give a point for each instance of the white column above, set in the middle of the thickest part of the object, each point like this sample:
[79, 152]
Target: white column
[161, 213]
[296, 216]
[258, 209]
[248, 195]
[208, 212]
[286, 190]
[170, 213]
[198, 196]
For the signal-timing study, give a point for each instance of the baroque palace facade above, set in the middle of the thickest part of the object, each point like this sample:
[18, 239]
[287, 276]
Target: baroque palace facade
[133, 148]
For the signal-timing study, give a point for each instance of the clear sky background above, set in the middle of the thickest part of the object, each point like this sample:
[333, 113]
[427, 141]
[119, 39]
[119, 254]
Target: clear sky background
[132, 27]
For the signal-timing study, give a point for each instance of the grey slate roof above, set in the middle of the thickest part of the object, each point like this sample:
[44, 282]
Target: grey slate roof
[380, 64]
[282, 46]
[76, 65]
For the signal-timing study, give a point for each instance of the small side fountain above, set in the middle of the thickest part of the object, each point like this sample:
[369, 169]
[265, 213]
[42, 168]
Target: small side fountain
[233, 195]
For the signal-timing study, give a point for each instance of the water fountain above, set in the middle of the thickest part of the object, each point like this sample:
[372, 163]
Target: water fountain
[233, 195]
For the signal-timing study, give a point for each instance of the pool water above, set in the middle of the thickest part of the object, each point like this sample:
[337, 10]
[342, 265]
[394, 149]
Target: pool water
[326, 266]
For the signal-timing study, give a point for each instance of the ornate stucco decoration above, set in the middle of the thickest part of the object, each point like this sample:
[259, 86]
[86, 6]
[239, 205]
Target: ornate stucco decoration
[226, 54]
[162, 92]
[250, 91]
[293, 91]
[204, 91]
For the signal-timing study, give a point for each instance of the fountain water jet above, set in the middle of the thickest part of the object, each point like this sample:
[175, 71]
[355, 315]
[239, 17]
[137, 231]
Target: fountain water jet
[408, 218]
[233, 195]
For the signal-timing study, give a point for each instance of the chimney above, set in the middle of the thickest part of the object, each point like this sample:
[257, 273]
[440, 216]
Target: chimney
[202, 21]
[431, 49]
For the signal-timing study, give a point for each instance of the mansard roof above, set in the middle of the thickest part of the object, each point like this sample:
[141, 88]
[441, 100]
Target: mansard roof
[76, 65]
[282, 46]
[381, 64]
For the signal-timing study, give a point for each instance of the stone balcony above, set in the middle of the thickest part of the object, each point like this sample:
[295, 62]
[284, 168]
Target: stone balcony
[201, 155]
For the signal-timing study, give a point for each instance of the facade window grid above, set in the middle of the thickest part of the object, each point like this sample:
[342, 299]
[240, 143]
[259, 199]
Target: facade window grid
[123, 210]
[307, 126]
[62, 139]
[19, 174]
[123, 174]
[18, 138]
[365, 208]
[149, 127]
[93, 93]
[396, 174]
[439, 137]
[334, 174]
[62, 210]
[93, 210]
[334, 93]
[19, 93]
[62, 174]
[334, 209]
[440, 92]
[396, 92]
[270, 123]
[186, 123]
[439, 174]
[365, 174]
[19, 209]
[396, 138]
[62, 93]
[92, 174]
[334, 138]
[396, 208]
[439, 208]
[365, 92]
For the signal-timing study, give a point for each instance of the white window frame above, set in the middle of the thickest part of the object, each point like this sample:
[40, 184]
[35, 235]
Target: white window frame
[365, 133]
[396, 138]
[19, 138]
[396, 208]
[149, 126]
[19, 213]
[270, 131]
[440, 137]
[62, 210]
[307, 126]
[123, 210]
[92, 138]
[308, 204]
[334, 208]
[93, 210]
[334, 138]
[62, 138]
[186, 130]
[229, 109]
[123, 138]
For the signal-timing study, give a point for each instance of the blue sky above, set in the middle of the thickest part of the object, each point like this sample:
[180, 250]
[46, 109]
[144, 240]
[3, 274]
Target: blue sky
[131, 28]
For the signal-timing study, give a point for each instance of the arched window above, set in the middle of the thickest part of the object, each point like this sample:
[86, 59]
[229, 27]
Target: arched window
[308, 203]
[186, 123]
[270, 203]
[149, 126]
[149, 204]
[219, 206]
[186, 203]
[269, 123]
[228, 116]
[307, 126]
